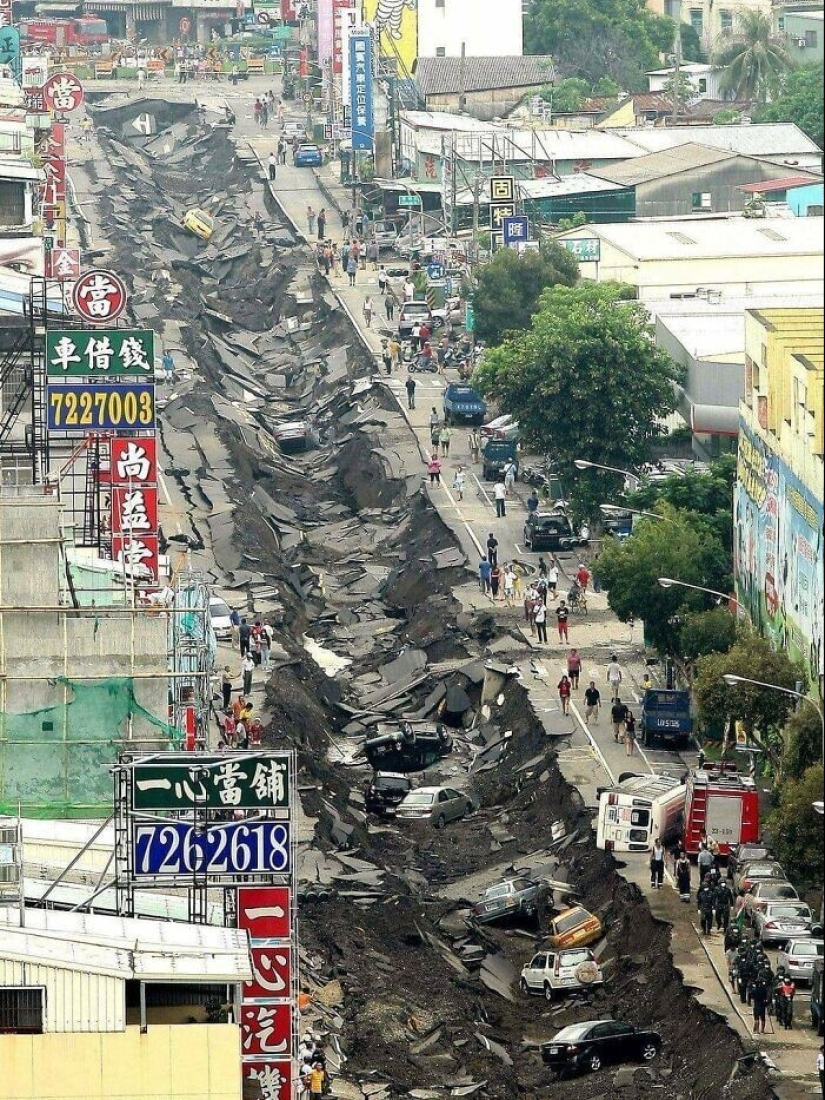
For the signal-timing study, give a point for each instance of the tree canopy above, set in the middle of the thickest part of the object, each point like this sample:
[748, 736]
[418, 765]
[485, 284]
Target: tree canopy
[801, 99]
[706, 632]
[585, 381]
[509, 287]
[754, 59]
[675, 546]
[593, 39]
[795, 828]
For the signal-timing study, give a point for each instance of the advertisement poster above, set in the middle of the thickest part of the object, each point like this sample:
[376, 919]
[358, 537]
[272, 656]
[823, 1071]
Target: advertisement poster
[397, 20]
[778, 553]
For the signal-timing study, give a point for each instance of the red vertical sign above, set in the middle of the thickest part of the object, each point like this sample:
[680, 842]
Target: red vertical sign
[135, 502]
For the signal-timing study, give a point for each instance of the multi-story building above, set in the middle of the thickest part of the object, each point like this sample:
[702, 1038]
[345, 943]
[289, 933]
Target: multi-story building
[707, 17]
[482, 28]
[804, 28]
[778, 508]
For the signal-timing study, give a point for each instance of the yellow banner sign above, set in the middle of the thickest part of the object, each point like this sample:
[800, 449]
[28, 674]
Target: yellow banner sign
[398, 22]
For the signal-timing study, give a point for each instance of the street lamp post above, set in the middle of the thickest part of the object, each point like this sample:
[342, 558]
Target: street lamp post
[619, 509]
[731, 679]
[671, 582]
[584, 464]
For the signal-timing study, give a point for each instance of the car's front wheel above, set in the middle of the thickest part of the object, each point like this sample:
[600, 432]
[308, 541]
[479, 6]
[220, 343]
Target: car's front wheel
[649, 1051]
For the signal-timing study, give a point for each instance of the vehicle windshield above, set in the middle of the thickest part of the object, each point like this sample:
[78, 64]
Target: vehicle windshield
[572, 920]
[550, 523]
[219, 610]
[775, 890]
[416, 309]
[419, 798]
[762, 870]
[386, 783]
[498, 891]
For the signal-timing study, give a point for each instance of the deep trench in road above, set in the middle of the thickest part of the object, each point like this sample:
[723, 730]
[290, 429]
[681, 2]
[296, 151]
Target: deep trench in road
[361, 562]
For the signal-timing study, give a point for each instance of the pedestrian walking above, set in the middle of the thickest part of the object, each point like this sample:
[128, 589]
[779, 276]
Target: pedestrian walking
[820, 1069]
[564, 689]
[141, 79]
[244, 633]
[168, 363]
[618, 717]
[657, 865]
[552, 578]
[395, 351]
[614, 676]
[226, 687]
[311, 218]
[434, 469]
[473, 445]
[583, 576]
[389, 305]
[629, 732]
[508, 581]
[531, 601]
[704, 861]
[322, 223]
[484, 571]
[500, 494]
[495, 580]
[760, 994]
[458, 482]
[352, 267]
[492, 548]
[281, 151]
[574, 667]
[247, 668]
[540, 619]
[509, 477]
[272, 166]
[682, 870]
[562, 615]
[409, 290]
[264, 114]
[386, 357]
[532, 502]
[367, 310]
[383, 280]
[372, 255]
[723, 901]
[435, 426]
[265, 646]
[444, 437]
[592, 703]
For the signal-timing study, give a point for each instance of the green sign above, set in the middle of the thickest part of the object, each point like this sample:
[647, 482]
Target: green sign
[281, 34]
[586, 249]
[469, 317]
[244, 781]
[409, 200]
[93, 353]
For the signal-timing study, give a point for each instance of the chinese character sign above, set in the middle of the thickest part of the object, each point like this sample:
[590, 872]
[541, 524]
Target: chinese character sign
[516, 230]
[113, 352]
[5, 13]
[264, 912]
[63, 264]
[10, 51]
[134, 518]
[253, 782]
[360, 83]
[63, 92]
[343, 17]
[99, 296]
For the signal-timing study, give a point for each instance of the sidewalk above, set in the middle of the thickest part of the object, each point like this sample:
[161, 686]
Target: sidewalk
[588, 758]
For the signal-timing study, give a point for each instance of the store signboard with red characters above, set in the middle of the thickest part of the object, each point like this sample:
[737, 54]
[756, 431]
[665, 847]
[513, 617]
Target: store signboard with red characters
[135, 502]
[269, 1002]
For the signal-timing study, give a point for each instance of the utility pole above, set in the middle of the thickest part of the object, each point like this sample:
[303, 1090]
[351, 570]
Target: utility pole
[462, 79]
[677, 63]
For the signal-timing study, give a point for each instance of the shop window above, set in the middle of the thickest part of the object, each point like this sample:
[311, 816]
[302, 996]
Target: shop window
[702, 200]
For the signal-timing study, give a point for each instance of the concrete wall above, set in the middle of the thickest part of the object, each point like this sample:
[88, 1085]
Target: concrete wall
[194, 1062]
[486, 28]
[486, 105]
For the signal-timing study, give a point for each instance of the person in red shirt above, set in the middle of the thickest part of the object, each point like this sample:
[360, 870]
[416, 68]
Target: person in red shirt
[574, 667]
[583, 576]
[423, 334]
[564, 694]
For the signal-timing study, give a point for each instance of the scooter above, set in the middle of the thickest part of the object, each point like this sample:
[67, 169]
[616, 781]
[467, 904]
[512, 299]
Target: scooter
[422, 365]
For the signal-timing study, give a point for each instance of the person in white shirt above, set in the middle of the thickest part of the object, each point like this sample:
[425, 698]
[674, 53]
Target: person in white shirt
[614, 677]
[553, 578]
[500, 494]
[409, 290]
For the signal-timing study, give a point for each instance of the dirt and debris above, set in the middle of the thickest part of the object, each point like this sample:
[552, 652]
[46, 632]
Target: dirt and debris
[338, 547]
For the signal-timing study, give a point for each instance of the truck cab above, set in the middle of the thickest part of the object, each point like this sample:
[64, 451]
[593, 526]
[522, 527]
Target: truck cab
[666, 717]
[496, 456]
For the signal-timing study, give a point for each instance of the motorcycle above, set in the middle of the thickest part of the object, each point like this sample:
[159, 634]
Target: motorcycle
[422, 365]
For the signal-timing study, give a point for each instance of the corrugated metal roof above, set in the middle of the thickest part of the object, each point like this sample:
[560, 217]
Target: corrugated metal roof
[580, 183]
[126, 947]
[655, 166]
[148, 903]
[781, 185]
[760, 139]
[445, 75]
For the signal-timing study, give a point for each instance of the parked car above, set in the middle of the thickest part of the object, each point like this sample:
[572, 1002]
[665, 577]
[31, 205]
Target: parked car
[502, 427]
[552, 972]
[462, 405]
[438, 805]
[512, 897]
[596, 1043]
[308, 156]
[749, 874]
[782, 920]
[385, 234]
[574, 927]
[751, 852]
[768, 889]
[496, 456]
[220, 617]
[294, 130]
[199, 222]
[817, 1010]
[385, 791]
[798, 957]
[550, 531]
[411, 315]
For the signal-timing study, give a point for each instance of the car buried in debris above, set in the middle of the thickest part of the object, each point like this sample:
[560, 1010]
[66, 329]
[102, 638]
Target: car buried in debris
[409, 748]
[551, 972]
[588, 1046]
[384, 793]
[509, 898]
[435, 805]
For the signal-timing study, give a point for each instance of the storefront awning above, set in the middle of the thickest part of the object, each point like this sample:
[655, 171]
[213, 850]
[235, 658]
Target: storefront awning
[405, 188]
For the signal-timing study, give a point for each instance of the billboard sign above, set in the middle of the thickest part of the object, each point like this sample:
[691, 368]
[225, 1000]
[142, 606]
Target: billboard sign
[63, 264]
[99, 296]
[587, 250]
[63, 92]
[258, 781]
[117, 353]
[265, 912]
[10, 51]
[94, 407]
[361, 92]
[271, 972]
[516, 230]
[179, 849]
[397, 24]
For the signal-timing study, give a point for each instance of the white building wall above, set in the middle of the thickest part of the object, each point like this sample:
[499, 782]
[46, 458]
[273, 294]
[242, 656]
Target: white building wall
[75, 1000]
[488, 28]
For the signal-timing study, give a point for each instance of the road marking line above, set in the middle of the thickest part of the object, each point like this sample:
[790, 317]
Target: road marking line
[593, 743]
[481, 487]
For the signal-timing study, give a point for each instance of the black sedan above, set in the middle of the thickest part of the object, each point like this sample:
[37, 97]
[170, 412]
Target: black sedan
[596, 1043]
[385, 791]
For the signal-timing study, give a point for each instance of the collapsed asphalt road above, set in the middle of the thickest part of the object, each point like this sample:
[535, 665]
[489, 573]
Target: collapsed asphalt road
[339, 545]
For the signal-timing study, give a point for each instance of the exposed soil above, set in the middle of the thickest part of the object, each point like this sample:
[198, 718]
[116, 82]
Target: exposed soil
[397, 987]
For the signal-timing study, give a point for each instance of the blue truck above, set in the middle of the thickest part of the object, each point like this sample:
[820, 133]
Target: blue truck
[666, 717]
[462, 405]
[496, 456]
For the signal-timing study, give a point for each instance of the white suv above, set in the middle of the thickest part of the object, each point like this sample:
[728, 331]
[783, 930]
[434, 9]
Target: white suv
[562, 971]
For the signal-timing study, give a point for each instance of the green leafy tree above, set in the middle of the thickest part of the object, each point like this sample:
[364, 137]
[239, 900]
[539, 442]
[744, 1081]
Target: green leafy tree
[619, 40]
[763, 712]
[754, 59]
[567, 96]
[803, 741]
[795, 828]
[630, 571]
[585, 381]
[510, 286]
[679, 88]
[605, 86]
[706, 632]
[727, 116]
[800, 99]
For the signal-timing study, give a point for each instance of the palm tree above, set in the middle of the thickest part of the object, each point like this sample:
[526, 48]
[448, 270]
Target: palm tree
[754, 59]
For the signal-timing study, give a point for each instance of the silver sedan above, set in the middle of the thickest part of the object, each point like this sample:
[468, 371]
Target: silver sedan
[437, 805]
[797, 957]
[782, 920]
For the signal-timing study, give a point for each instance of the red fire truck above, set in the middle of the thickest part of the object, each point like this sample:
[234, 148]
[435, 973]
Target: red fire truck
[722, 804]
[62, 33]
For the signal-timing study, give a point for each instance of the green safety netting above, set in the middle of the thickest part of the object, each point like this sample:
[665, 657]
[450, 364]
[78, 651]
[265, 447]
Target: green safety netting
[54, 762]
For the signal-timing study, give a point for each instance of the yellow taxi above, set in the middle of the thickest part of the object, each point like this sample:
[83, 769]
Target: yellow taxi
[574, 927]
[199, 222]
